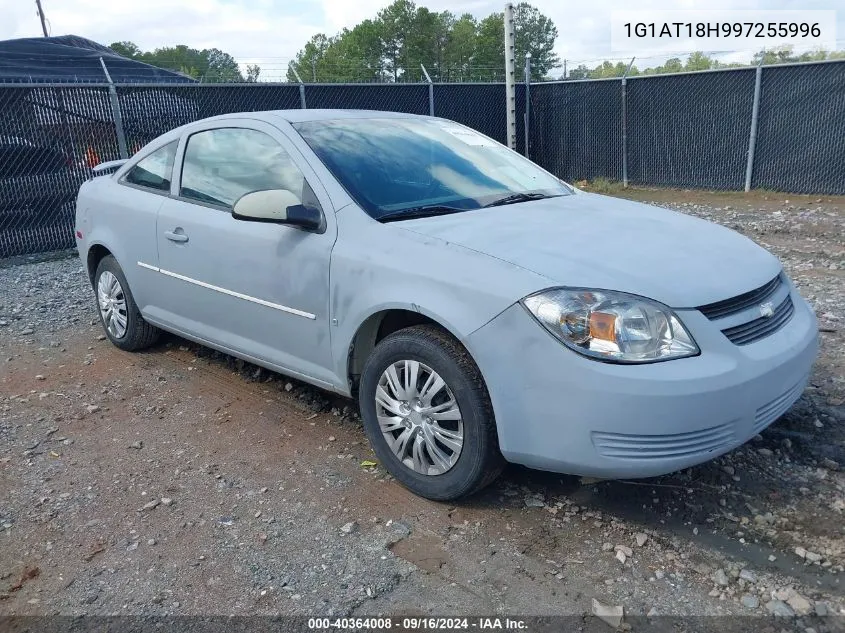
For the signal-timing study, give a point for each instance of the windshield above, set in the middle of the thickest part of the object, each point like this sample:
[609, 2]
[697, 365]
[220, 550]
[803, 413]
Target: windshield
[391, 166]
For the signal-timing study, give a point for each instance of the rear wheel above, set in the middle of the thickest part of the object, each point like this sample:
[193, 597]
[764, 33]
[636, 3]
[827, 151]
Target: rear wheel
[427, 414]
[119, 314]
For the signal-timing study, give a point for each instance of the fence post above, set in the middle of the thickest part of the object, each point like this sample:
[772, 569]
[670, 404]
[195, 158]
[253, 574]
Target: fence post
[625, 124]
[301, 86]
[116, 114]
[752, 137]
[527, 115]
[430, 91]
[510, 90]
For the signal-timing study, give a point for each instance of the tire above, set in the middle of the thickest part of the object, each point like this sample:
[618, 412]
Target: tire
[478, 462]
[137, 333]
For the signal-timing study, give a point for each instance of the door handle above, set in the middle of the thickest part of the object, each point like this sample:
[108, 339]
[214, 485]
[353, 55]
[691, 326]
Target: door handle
[176, 236]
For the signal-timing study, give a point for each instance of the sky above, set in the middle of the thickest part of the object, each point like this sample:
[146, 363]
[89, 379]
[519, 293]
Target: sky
[270, 32]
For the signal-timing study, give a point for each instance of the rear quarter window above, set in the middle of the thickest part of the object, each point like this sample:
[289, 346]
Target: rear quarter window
[154, 171]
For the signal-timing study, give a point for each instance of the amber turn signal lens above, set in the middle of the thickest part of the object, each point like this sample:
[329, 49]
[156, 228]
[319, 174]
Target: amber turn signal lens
[603, 326]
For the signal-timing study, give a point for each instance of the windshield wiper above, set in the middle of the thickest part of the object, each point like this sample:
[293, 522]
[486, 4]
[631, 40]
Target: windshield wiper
[517, 197]
[419, 212]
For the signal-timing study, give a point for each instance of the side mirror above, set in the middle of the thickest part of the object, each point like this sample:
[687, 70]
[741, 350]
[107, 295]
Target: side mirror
[279, 206]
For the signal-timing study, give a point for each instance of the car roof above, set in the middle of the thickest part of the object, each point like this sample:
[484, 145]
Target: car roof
[317, 114]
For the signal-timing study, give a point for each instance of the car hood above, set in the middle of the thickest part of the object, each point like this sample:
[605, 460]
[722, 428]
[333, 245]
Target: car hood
[597, 241]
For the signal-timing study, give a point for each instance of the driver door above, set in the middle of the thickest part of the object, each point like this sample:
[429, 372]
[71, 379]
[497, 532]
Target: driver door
[258, 289]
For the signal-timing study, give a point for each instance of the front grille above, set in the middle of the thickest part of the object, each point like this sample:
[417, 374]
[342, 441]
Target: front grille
[727, 307]
[759, 328]
[624, 446]
[772, 410]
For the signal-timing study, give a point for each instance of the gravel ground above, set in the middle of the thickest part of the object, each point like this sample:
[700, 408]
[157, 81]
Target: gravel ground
[182, 481]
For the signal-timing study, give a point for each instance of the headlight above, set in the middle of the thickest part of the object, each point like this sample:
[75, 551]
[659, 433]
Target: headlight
[612, 326]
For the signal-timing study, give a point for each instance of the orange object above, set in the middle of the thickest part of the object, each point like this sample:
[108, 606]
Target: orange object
[92, 159]
[603, 326]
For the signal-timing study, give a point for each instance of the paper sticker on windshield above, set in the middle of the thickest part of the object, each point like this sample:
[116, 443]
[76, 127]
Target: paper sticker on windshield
[470, 137]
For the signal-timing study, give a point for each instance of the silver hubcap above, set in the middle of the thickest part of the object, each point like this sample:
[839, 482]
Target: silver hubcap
[419, 417]
[112, 304]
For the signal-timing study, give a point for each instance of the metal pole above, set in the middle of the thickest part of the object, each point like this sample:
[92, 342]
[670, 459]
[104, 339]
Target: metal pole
[430, 91]
[510, 89]
[301, 86]
[43, 19]
[625, 124]
[752, 138]
[116, 114]
[527, 115]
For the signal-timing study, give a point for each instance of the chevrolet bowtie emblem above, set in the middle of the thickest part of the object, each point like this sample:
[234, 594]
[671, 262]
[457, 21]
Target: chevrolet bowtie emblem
[766, 309]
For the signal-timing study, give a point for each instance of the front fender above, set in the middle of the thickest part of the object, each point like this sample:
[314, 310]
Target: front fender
[377, 267]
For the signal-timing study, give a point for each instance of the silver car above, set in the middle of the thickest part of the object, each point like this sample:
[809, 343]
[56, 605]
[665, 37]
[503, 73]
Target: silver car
[480, 309]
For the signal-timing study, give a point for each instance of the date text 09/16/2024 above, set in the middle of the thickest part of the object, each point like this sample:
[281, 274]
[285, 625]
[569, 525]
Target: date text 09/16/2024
[418, 623]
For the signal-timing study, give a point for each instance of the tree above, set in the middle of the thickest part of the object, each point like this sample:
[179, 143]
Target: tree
[208, 64]
[310, 58]
[536, 34]
[397, 21]
[403, 36]
[698, 61]
[460, 49]
[252, 72]
[579, 72]
[490, 48]
[127, 49]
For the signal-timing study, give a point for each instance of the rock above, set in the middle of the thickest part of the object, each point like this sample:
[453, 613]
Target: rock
[800, 604]
[166, 501]
[150, 505]
[349, 528]
[92, 408]
[730, 470]
[772, 558]
[659, 574]
[620, 556]
[27, 331]
[610, 615]
[748, 575]
[821, 609]
[720, 578]
[652, 613]
[813, 557]
[137, 445]
[624, 549]
[288, 386]
[826, 462]
[765, 452]
[641, 539]
[606, 547]
[588, 481]
[752, 602]
[800, 551]
[91, 598]
[39, 377]
[151, 541]
[779, 608]
[534, 502]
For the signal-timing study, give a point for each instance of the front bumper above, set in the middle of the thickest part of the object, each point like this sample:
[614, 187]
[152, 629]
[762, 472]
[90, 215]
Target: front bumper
[559, 411]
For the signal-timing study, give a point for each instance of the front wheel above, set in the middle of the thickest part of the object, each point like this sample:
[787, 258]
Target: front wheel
[428, 415]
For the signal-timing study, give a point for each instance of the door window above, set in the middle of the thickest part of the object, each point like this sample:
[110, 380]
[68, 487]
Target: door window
[154, 171]
[223, 164]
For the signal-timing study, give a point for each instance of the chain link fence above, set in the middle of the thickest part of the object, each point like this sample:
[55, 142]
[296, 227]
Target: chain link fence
[697, 130]
[685, 130]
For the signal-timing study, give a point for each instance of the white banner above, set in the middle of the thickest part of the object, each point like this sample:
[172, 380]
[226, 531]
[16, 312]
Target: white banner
[653, 31]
